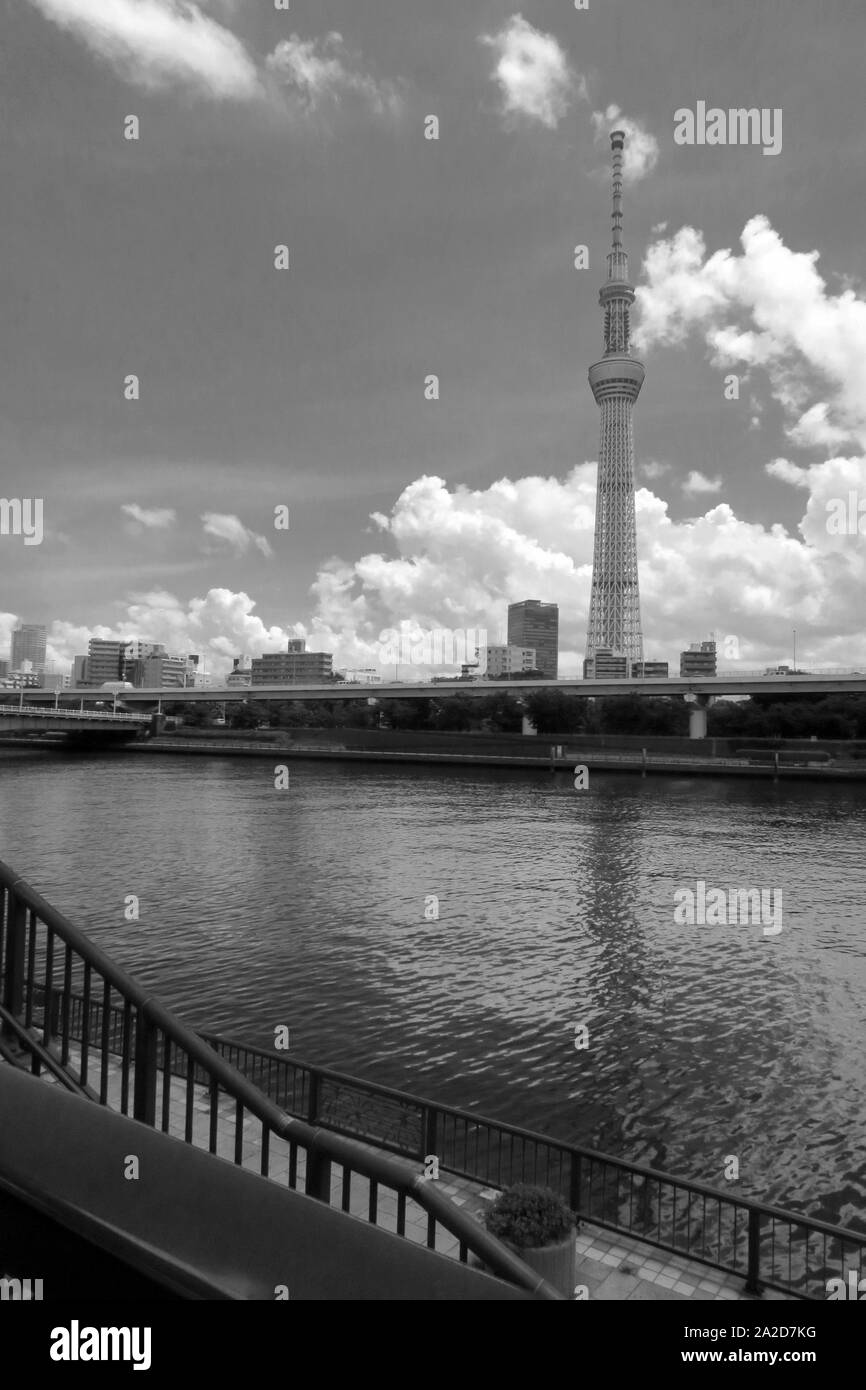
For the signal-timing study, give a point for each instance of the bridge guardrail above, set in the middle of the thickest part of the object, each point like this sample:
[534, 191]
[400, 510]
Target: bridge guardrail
[50, 712]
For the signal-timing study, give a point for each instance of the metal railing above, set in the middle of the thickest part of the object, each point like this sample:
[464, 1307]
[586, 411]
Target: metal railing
[51, 974]
[764, 1245]
[60, 712]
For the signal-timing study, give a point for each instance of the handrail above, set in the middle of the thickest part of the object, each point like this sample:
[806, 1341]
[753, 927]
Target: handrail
[174, 1239]
[152, 1019]
[474, 1118]
[426, 1127]
[30, 1044]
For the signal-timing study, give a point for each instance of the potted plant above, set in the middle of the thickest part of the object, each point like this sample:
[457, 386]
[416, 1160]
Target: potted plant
[539, 1227]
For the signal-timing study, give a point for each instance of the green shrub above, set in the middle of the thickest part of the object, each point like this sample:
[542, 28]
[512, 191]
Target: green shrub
[527, 1216]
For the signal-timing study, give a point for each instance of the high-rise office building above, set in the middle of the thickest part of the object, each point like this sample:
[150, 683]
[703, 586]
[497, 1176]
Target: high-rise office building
[28, 644]
[106, 661]
[614, 605]
[535, 624]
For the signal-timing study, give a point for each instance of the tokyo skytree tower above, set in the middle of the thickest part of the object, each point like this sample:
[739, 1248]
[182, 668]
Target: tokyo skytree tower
[614, 606]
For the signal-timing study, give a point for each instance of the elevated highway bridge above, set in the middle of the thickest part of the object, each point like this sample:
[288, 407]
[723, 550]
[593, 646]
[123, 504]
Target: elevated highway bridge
[701, 690]
[725, 684]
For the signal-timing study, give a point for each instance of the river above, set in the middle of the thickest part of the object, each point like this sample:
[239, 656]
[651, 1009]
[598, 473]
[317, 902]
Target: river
[306, 907]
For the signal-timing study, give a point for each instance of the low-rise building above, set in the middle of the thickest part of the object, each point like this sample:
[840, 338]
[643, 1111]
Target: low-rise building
[22, 680]
[508, 660]
[648, 670]
[55, 680]
[292, 668]
[364, 675]
[605, 665]
[699, 660]
[239, 675]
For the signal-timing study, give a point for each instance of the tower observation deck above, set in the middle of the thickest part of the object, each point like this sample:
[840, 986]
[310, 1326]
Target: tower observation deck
[614, 606]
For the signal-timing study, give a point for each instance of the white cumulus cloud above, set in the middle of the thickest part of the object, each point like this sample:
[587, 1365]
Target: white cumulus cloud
[461, 555]
[696, 482]
[323, 70]
[217, 627]
[456, 557]
[653, 468]
[767, 308]
[534, 75]
[225, 527]
[152, 518]
[160, 43]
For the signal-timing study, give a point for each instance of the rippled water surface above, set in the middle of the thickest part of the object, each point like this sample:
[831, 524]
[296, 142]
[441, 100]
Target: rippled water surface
[306, 907]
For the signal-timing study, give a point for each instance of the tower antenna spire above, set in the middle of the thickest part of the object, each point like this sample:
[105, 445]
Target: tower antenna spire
[617, 295]
[617, 260]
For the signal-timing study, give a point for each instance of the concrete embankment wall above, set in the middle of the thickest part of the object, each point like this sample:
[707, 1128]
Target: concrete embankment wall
[687, 757]
[520, 745]
[613, 752]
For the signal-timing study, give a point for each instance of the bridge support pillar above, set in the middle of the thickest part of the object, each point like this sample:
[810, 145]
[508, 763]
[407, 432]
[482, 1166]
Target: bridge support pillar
[698, 717]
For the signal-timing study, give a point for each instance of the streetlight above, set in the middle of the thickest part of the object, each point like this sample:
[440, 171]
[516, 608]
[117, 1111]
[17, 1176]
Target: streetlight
[795, 651]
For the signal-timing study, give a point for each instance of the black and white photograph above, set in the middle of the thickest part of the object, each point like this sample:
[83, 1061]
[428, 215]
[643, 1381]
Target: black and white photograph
[433, 667]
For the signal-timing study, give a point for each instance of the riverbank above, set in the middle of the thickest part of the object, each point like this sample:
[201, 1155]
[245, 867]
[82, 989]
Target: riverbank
[556, 758]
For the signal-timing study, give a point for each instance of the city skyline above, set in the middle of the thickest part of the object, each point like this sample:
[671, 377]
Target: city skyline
[308, 391]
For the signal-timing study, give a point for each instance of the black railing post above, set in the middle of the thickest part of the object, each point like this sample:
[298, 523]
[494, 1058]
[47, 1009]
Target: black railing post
[752, 1282]
[318, 1183]
[574, 1184]
[16, 931]
[431, 1129]
[313, 1097]
[144, 1087]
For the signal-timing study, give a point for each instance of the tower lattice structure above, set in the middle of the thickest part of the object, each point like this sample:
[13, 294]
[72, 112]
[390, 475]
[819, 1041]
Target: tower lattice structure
[614, 606]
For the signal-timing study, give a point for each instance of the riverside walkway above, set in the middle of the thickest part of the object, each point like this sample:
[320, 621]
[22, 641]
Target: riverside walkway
[610, 1266]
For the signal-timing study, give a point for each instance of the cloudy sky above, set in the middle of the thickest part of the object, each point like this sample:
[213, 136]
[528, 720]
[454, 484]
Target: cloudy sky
[261, 387]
